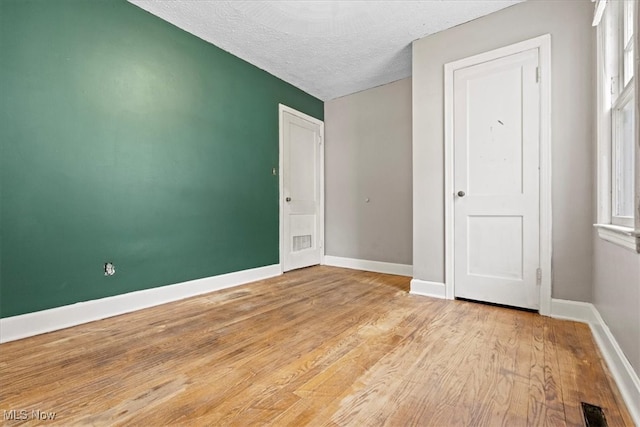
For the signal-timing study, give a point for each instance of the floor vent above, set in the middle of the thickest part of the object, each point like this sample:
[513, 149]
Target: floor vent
[593, 415]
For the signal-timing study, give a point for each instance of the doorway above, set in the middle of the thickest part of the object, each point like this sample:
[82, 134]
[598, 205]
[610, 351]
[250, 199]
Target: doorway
[301, 189]
[498, 170]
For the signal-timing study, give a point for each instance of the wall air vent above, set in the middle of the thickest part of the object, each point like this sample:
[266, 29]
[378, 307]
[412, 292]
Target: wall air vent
[301, 242]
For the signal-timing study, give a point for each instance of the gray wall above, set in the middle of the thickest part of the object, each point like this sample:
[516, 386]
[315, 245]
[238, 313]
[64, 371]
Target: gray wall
[573, 98]
[616, 295]
[368, 155]
[616, 271]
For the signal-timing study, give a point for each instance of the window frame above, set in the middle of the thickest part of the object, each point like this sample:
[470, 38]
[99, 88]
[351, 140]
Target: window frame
[625, 98]
[612, 95]
[625, 45]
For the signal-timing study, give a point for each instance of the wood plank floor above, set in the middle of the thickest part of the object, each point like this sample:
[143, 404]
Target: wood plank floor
[318, 346]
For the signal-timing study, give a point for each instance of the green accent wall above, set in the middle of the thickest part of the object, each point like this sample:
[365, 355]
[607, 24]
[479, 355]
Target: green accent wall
[126, 139]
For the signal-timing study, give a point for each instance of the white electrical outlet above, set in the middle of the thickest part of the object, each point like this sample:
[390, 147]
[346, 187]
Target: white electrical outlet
[109, 269]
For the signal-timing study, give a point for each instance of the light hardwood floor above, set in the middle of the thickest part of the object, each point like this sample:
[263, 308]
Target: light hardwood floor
[318, 346]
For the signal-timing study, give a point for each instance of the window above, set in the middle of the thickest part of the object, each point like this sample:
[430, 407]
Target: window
[627, 41]
[617, 196]
[623, 156]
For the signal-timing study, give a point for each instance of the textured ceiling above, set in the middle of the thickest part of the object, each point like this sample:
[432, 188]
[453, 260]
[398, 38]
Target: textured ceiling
[326, 48]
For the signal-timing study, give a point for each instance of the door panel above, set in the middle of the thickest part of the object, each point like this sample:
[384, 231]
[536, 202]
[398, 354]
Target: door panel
[303, 153]
[495, 129]
[301, 191]
[496, 178]
[497, 243]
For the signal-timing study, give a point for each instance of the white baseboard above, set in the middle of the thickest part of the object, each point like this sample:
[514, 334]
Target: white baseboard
[428, 289]
[573, 310]
[621, 370]
[375, 266]
[39, 322]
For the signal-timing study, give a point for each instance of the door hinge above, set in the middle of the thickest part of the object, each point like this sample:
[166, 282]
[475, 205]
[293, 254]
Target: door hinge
[538, 276]
[537, 74]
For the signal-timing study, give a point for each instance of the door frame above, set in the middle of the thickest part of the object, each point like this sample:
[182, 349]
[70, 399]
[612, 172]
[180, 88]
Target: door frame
[543, 44]
[281, 110]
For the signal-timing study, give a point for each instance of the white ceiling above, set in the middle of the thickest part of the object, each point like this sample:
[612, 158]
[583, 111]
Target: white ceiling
[326, 48]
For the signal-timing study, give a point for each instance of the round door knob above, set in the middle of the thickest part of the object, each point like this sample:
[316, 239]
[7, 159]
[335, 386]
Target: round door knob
[461, 193]
[288, 199]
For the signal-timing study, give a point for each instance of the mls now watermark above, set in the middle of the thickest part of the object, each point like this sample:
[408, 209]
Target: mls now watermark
[24, 415]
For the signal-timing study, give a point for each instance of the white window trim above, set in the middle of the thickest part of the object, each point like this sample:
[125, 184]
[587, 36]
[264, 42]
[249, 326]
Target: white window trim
[624, 46]
[627, 237]
[623, 236]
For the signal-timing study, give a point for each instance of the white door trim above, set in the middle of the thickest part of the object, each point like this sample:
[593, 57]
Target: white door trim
[281, 110]
[543, 44]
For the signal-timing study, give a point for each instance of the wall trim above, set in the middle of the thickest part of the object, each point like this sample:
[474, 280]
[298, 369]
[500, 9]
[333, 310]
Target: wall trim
[428, 289]
[543, 44]
[366, 265]
[623, 373]
[30, 324]
[573, 310]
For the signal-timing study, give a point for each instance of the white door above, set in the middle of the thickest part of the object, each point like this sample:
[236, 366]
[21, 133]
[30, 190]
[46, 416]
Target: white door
[496, 181]
[301, 189]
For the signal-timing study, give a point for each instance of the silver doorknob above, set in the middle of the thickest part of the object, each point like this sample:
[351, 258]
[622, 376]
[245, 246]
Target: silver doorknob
[288, 199]
[461, 193]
